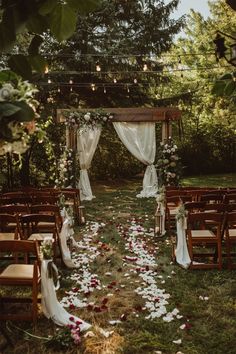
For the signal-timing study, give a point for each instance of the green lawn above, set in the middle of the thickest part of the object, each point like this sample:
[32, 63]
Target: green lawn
[205, 299]
[224, 180]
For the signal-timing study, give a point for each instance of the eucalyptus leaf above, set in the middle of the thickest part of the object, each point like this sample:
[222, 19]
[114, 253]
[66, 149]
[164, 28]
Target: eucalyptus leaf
[20, 65]
[63, 21]
[229, 88]
[25, 114]
[218, 88]
[47, 7]
[8, 109]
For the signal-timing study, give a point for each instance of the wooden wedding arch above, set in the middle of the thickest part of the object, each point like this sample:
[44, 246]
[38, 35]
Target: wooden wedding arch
[165, 115]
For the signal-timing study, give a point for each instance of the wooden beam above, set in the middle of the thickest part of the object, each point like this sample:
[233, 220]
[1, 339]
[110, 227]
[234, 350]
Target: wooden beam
[134, 114]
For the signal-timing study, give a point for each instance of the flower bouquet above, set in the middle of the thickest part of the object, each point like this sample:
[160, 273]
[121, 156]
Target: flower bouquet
[17, 112]
[168, 164]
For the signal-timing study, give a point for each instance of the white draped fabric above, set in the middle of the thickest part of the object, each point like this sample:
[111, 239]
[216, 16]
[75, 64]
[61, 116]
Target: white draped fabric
[181, 252]
[66, 233]
[50, 305]
[87, 141]
[139, 138]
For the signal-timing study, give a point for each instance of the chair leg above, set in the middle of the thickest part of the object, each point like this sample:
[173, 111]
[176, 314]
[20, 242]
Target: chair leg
[219, 248]
[229, 261]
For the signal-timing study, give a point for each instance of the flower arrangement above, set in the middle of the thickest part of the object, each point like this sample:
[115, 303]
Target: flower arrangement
[181, 212]
[89, 119]
[168, 164]
[66, 175]
[67, 336]
[17, 112]
[46, 248]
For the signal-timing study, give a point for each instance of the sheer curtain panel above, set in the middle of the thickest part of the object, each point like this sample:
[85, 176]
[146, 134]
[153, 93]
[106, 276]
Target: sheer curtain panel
[87, 141]
[140, 139]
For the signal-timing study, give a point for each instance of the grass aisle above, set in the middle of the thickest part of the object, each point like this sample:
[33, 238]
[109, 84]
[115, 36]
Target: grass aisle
[128, 287]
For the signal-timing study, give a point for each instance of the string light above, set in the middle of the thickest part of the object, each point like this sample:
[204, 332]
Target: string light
[98, 67]
[104, 90]
[128, 90]
[71, 82]
[93, 87]
[114, 80]
[49, 81]
[135, 81]
[145, 67]
[46, 70]
[58, 90]
[71, 89]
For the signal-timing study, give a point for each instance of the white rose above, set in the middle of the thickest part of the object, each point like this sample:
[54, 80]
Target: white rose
[87, 117]
[6, 92]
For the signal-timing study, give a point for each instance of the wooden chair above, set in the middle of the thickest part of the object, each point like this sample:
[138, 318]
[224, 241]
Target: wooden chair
[19, 209]
[201, 235]
[50, 209]
[10, 227]
[212, 198]
[45, 198]
[194, 207]
[40, 226]
[72, 200]
[230, 198]
[172, 205]
[20, 274]
[230, 238]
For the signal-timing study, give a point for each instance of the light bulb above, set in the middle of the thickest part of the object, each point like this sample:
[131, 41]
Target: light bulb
[93, 87]
[46, 70]
[49, 81]
[58, 90]
[145, 67]
[98, 67]
[71, 89]
[135, 81]
[115, 81]
[71, 81]
[104, 90]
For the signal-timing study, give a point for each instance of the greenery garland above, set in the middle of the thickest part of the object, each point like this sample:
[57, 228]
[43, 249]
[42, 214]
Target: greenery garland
[87, 120]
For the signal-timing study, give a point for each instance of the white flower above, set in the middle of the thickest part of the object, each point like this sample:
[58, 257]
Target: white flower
[6, 92]
[87, 117]
[104, 119]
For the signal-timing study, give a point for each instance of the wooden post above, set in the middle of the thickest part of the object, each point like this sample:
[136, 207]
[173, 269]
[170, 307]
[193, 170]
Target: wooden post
[166, 129]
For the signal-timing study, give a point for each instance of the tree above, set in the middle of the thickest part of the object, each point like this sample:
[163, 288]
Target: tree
[120, 38]
[208, 120]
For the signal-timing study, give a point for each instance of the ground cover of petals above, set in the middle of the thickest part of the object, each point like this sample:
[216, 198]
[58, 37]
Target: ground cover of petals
[126, 285]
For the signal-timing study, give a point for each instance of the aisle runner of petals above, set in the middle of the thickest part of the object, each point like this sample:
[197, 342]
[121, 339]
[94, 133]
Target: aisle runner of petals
[140, 261]
[154, 296]
[86, 282]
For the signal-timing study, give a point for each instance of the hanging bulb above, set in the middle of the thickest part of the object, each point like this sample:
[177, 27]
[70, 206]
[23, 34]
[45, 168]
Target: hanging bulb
[135, 81]
[104, 90]
[46, 70]
[145, 67]
[128, 90]
[49, 81]
[70, 81]
[93, 87]
[58, 90]
[71, 89]
[115, 81]
[98, 67]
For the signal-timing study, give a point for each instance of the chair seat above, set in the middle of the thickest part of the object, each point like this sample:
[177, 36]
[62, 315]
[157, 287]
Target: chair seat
[15, 271]
[7, 236]
[40, 236]
[173, 211]
[202, 233]
[232, 232]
